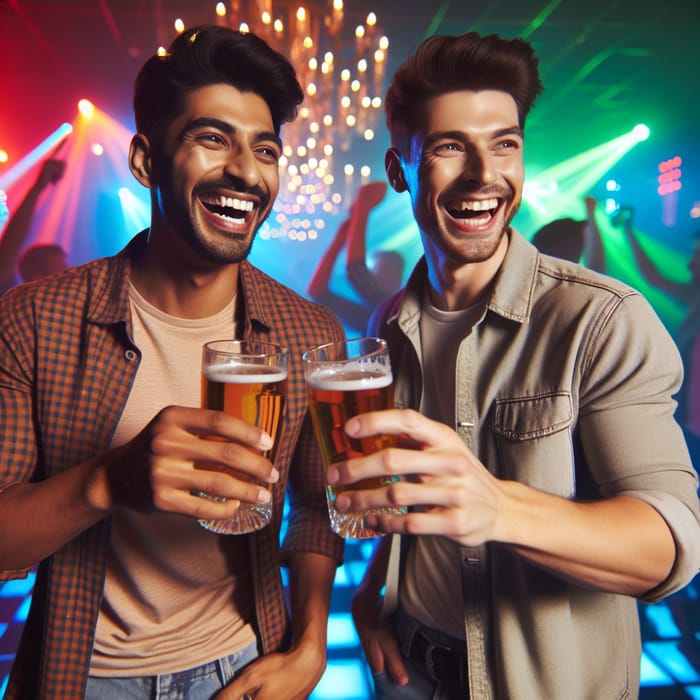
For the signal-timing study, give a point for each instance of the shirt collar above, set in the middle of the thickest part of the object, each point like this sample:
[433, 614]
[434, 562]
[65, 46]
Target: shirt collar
[511, 295]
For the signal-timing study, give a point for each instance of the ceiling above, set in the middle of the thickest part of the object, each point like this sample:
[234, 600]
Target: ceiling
[606, 64]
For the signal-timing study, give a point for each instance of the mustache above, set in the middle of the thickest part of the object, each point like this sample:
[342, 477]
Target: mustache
[233, 183]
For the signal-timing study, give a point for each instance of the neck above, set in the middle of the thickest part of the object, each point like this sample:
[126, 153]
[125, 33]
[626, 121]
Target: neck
[181, 285]
[455, 286]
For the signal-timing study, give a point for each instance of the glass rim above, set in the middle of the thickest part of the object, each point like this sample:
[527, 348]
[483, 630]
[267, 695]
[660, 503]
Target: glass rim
[382, 346]
[265, 348]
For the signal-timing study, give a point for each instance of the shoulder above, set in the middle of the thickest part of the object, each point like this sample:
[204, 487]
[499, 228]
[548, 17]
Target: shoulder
[276, 304]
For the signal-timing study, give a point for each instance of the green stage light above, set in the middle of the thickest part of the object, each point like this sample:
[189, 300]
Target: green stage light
[641, 132]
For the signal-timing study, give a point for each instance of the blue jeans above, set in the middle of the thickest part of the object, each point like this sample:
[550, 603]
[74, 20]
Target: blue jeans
[420, 686]
[200, 683]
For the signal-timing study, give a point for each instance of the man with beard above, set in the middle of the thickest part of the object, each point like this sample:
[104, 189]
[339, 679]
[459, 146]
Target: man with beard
[547, 483]
[101, 429]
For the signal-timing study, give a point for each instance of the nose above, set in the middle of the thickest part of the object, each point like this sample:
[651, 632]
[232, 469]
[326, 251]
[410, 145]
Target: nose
[242, 165]
[479, 166]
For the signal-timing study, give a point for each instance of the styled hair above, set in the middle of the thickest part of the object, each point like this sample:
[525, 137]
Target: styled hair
[208, 55]
[444, 63]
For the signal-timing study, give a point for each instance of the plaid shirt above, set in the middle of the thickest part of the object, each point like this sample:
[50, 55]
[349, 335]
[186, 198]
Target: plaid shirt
[67, 363]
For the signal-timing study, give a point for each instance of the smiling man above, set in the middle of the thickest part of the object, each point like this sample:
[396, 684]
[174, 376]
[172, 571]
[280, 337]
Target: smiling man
[548, 485]
[101, 426]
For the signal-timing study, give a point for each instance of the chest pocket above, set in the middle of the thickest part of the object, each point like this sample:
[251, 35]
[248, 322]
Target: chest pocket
[533, 438]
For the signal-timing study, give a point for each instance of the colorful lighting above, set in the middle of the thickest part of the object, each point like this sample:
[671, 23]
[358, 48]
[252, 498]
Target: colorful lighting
[86, 108]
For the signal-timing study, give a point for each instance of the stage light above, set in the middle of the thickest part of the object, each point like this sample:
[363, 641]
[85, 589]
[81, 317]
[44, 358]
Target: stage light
[221, 9]
[97, 149]
[35, 155]
[669, 178]
[179, 26]
[3, 156]
[641, 132]
[86, 108]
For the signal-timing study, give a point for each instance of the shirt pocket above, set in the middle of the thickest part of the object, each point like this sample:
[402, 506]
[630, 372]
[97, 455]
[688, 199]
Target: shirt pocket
[533, 437]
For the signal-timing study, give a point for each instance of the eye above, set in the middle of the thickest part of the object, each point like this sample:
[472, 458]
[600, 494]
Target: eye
[267, 153]
[510, 144]
[448, 148]
[210, 138]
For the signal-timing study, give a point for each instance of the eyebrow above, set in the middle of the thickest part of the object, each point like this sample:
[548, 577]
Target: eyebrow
[228, 129]
[460, 136]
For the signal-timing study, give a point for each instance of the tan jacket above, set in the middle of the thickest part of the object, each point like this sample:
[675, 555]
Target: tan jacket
[565, 384]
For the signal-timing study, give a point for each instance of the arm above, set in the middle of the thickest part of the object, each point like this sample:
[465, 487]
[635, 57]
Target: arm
[351, 313]
[376, 634]
[645, 265]
[361, 278]
[621, 544]
[155, 470]
[643, 527]
[593, 252]
[18, 225]
[294, 674]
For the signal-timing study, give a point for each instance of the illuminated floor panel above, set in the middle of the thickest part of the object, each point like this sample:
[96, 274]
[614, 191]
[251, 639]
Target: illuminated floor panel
[670, 667]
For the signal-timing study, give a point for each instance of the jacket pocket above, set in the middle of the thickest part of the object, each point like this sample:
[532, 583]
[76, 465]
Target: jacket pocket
[533, 436]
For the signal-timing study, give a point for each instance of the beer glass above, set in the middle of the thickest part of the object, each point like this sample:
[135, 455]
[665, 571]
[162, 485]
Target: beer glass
[248, 380]
[344, 379]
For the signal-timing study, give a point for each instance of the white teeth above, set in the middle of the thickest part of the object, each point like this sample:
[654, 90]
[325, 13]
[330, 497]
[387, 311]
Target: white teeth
[235, 203]
[475, 205]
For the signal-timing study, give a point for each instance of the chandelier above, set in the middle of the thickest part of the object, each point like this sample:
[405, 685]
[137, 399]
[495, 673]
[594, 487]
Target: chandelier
[341, 69]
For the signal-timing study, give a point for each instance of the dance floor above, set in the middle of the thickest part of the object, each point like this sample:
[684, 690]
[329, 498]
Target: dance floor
[671, 631]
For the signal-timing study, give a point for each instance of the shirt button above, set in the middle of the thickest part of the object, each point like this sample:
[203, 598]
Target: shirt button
[130, 355]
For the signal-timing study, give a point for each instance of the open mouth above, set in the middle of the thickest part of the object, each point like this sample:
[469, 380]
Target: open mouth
[232, 210]
[473, 211]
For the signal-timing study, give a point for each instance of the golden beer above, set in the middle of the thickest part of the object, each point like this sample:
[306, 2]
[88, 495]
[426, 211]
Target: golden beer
[253, 393]
[335, 399]
[343, 380]
[246, 380]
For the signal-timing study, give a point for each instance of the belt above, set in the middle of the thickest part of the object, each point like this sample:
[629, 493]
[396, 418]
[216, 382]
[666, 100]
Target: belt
[440, 662]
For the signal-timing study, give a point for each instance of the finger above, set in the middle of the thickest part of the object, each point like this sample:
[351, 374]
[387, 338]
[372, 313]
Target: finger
[178, 486]
[210, 423]
[401, 494]
[394, 661]
[422, 430]
[240, 461]
[447, 523]
[397, 462]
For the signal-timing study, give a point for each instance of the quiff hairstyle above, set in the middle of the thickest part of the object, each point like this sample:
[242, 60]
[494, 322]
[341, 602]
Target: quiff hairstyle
[209, 55]
[444, 63]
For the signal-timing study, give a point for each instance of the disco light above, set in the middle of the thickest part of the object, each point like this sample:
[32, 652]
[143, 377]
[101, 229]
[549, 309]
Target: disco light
[86, 108]
[641, 132]
[37, 154]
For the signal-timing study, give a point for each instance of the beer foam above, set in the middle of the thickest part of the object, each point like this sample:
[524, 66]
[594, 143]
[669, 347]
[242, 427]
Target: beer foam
[245, 374]
[353, 380]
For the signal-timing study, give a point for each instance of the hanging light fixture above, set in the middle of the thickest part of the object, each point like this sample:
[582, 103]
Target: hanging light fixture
[341, 70]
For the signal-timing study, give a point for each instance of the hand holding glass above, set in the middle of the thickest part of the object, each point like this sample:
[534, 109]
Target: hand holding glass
[247, 380]
[344, 379]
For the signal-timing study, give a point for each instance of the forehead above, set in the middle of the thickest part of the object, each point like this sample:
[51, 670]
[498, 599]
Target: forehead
[243, 110]
[467, 110]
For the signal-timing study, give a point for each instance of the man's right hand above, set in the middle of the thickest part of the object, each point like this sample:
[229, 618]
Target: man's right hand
[171, 459]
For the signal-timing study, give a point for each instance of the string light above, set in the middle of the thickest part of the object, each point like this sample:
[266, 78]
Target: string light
[341, 70]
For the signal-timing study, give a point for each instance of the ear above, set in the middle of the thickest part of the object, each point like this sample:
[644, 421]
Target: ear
[140, 160]
[394, 170]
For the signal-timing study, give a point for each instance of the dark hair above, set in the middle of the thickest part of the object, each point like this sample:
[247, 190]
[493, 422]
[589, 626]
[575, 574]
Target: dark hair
[445, 63]
[207, 55]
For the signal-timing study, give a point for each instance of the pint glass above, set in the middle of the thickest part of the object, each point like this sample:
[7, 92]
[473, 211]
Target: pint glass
[247, 380]
[344, 379]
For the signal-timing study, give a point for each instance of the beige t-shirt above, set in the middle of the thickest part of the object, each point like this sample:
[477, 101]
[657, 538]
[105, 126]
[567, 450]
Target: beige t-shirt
[431, 589]
[176, 595]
